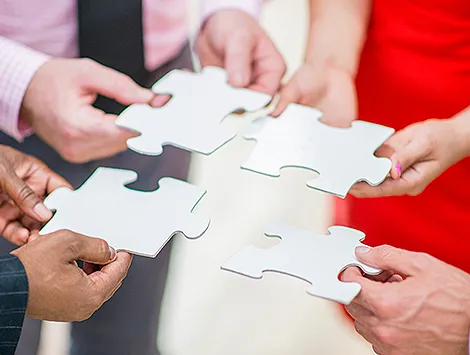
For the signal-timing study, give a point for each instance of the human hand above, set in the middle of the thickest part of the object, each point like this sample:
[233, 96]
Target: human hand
[233, 40]
[419, 153]
[24, 181]
[427, 313]
[58, 106]
[325, 87]
[58, 289]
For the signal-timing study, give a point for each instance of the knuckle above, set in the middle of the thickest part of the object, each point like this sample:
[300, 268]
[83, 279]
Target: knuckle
[101, 246]
[386, 307]
[25, 193]
[421, 261]
[386, 335]
[74, 246]
[386, 252]
[87, 64]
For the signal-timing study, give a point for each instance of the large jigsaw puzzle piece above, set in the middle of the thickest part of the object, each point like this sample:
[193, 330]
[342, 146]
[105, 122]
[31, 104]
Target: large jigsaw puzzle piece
[135, 221]
[191, 120]
[317, 259]
[342, 156]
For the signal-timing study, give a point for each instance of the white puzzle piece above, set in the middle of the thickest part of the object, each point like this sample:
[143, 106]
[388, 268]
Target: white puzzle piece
[317, 259]
[342, 156]
[191, 120]
[135, 221]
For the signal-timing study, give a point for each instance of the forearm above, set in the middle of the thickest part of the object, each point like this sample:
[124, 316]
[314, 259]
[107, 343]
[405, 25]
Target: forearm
[338, 30]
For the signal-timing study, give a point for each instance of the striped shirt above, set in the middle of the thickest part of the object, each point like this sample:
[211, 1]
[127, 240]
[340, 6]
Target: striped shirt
[27, 39]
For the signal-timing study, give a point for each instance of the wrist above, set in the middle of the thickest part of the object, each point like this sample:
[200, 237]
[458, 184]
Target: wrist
[461, 127]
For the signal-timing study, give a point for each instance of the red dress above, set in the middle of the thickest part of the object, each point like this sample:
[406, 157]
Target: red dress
[416, 66]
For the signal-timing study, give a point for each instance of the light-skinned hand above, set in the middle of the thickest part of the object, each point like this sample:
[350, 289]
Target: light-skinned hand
[58, 106]
[233, 40]
[325, 87]
[426, 313]
[420, 153]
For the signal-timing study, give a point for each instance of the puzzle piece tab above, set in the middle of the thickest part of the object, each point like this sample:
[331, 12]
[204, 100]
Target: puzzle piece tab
[191, 120]
[342, 156]
[135, 221]
[317, 259]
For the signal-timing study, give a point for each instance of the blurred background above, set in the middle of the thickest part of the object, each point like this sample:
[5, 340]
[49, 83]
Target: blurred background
[207, 311]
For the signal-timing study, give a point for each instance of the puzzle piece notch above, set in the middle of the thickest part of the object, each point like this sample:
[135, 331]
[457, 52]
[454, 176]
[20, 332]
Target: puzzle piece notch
[316, 259]
[121, 216]
[341, 156]
[191, 120]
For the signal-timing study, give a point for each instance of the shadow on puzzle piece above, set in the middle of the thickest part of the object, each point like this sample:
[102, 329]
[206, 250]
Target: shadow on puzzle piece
[317, 259]
[342, 156]
[192, 118]
[134, 221]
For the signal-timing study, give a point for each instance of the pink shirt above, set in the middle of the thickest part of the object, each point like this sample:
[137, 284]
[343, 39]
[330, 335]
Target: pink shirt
[29, 34]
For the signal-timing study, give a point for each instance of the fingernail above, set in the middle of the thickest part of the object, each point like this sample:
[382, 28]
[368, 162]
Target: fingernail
[42, 212]
[362, 250]
[398, 167]
[113, 253]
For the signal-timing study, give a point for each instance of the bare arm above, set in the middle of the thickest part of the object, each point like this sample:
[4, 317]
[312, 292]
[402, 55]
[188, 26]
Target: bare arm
[338, 29]
[337, 32]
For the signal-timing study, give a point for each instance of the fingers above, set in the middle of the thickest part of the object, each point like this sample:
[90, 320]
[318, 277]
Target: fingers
[385, 257]
[110, 277]
[23, 196]
[370, 290]
[10, 228]
[358, 312]
[238, 59]
[289, 94]
[413, 152]
[269, 67]
[92, 250]
[389, 187]
[115, 85]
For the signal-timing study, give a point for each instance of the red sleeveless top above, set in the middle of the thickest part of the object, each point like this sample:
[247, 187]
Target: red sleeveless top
[416, 66]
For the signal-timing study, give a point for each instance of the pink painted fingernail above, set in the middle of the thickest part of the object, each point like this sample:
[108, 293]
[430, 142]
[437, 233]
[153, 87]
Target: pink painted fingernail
[398, 167]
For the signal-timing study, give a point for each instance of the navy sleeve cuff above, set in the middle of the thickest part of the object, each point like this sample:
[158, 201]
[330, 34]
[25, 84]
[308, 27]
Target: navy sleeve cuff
[13, 302]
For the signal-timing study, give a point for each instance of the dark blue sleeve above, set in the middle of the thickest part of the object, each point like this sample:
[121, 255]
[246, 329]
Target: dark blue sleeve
[13, 302]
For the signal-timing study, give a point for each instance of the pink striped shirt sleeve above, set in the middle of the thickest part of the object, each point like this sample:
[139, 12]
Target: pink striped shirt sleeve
[252, 7]
[18, 64]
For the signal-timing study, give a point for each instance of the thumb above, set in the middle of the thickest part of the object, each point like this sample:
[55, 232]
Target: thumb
[23, 196]
[388, 258]
[115, 85]
[92, 250]
[289, 94]
[408, 155]
[238, 57]
[109, 278]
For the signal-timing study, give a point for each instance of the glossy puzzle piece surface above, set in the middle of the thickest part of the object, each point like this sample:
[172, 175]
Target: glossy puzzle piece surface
[191, 120]
[317, 259]
[138, 222]
[342, 156]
